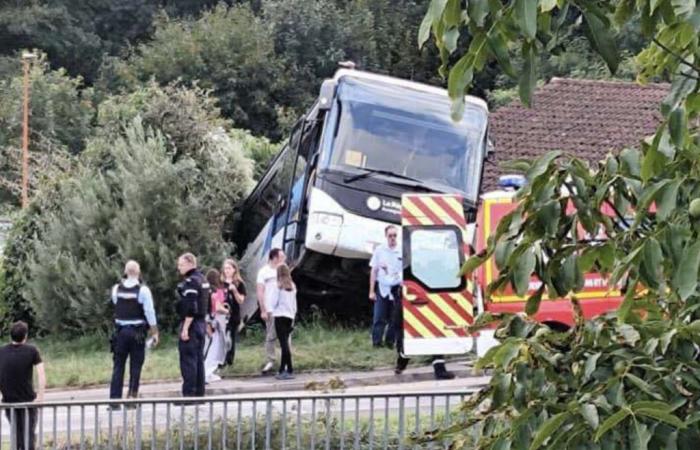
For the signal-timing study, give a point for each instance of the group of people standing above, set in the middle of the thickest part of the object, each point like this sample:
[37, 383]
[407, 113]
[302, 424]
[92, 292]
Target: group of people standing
[228, 292]
[277, 302]
[209, 308]
[209, 311]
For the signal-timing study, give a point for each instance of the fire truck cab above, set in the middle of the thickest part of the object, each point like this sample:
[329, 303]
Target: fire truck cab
[596, 297]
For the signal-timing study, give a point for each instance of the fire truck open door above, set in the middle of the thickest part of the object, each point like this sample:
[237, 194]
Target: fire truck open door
[437, 302]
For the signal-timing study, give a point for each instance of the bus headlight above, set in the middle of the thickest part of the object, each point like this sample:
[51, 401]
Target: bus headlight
[326, 219]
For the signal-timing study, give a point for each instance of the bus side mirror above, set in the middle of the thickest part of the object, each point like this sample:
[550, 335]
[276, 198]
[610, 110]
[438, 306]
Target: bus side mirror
[325, 98]
[489, 149]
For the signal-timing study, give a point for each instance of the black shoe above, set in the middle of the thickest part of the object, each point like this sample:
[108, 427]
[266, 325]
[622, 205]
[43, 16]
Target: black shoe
[441, 372]
[376, 345]
[389, 345]
[114, 407]
[401, 364]
[444, 375]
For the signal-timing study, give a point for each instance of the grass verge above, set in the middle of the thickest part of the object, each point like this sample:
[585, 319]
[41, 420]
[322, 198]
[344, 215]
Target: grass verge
[86, 361]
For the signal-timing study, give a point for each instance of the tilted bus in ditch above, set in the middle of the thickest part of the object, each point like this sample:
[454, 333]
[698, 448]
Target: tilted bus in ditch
[329, 194]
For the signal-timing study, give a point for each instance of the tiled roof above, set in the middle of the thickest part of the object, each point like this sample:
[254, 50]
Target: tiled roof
[586, 118]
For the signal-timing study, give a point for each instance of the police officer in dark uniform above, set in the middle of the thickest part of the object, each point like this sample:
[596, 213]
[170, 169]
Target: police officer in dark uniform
[192, 307]
[133, 313]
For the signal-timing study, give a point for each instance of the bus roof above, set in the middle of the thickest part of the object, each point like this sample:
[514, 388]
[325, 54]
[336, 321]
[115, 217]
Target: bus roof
[353, 73]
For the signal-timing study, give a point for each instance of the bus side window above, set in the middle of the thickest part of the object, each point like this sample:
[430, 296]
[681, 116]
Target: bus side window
[308, 145]
[270, 201]
[262, 208]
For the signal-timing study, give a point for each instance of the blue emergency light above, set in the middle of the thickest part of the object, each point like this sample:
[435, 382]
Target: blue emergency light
[511, 181]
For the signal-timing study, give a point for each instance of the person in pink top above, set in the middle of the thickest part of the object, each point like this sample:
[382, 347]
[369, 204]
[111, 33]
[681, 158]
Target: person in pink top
[218, 300]
[215, 345]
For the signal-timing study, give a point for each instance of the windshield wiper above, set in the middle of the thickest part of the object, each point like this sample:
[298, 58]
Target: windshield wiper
[369, 172]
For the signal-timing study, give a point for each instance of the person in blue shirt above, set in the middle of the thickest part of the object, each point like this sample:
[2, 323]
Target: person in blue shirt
[134, 314]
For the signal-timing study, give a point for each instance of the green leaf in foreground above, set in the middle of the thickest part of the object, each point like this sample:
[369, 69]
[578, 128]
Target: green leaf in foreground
[685, 279]
[600, 36]
[524, 267]
[547, 429]
[526, 12]
[528, 75]
[611, 422]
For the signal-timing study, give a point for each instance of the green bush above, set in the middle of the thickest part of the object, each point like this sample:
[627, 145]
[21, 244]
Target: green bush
[13, 271]
[603, 385]
[147, 207]
[82, 226]
[259, 149]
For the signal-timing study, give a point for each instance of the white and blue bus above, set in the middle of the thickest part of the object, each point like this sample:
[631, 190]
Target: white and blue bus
[327, 197]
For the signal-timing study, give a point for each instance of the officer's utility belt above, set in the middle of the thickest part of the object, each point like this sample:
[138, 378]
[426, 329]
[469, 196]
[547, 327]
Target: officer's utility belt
[134, 325]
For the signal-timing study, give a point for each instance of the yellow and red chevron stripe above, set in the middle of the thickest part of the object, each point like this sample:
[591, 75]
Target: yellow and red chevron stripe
[435, 314]
[432, 210]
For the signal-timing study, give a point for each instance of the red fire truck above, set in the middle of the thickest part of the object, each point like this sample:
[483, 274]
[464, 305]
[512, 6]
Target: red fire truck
[596, 298]
[435, 298]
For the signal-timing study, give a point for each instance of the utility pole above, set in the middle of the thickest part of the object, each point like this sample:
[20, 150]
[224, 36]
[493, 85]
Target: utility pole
[27, 58]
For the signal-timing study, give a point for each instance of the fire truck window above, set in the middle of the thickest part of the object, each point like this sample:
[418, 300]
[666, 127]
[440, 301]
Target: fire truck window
[435, 258]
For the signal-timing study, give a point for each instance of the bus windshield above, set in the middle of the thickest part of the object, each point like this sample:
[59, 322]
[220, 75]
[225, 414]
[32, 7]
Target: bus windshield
[391, 129]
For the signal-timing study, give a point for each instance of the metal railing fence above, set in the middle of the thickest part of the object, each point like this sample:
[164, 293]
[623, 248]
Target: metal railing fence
[314, 421]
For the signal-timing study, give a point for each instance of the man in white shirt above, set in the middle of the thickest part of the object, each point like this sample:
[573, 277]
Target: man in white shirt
[385, 279]
[266, 289]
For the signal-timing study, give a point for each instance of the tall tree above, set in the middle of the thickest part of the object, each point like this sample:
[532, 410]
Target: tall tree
[76, 34]
[62, 111]
[627, 379]
[227, 50]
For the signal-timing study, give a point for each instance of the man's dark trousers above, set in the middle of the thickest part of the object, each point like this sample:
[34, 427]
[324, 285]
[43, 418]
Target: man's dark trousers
[382, 319]
[192, 360]
[22, 435]
[129, 342]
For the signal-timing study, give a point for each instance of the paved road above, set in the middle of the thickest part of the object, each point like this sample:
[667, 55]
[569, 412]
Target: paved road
[243, 385]
[82, 423]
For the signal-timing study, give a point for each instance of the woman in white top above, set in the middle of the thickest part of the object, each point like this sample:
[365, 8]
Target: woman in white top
[284, 311]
